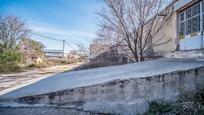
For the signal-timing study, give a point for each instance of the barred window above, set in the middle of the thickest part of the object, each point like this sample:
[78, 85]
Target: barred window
[195, 10]
[188, 27]
[203, 13]
[182, 29]
[189, 21]
[182, 24]
[195, 23]
[203, 5]
[182, 16]
[188, 13]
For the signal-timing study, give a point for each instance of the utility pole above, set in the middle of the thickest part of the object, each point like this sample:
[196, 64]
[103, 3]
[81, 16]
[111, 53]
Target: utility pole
[55, 39]
[63, 48]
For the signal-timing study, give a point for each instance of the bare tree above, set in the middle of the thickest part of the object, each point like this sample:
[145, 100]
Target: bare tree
[135, 23]
[104, 35]
[110, 44]
[12, 29]
[99, 46]
[82, 48]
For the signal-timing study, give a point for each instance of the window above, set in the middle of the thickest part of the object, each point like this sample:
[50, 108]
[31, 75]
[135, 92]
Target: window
[193, 19]
[189, 20]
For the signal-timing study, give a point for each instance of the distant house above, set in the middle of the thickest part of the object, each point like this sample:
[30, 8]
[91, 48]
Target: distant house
[55, 54]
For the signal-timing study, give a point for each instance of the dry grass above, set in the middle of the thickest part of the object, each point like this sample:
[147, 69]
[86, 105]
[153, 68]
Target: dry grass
[50, 63]
[10, 68]
[187, 104]
[95, 64]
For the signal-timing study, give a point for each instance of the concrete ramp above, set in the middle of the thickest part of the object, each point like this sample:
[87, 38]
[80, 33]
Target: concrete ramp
[124, 89]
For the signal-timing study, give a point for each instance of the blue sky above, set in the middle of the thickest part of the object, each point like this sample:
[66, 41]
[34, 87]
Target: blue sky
[73, 20]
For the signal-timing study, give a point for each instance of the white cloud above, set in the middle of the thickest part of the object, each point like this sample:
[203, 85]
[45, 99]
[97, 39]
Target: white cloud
[59, 32]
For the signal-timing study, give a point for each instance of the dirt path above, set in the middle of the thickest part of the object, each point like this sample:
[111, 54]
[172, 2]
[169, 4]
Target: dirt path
[10, 82]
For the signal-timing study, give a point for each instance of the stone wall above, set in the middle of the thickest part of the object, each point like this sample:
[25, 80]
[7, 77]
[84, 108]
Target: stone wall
[128, 97]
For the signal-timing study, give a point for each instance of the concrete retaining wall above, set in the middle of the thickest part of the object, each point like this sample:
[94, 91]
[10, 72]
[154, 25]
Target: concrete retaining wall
[124, 96]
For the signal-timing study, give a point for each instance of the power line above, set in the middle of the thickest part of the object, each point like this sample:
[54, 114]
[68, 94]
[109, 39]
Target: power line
[67, 43]
[51, 38]
[55, 39]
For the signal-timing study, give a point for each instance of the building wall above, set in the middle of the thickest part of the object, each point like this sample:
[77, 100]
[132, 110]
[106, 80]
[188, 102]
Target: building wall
[167, 33]
[170, 31]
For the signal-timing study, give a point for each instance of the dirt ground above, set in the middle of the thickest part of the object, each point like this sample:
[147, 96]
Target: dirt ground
[10, 82]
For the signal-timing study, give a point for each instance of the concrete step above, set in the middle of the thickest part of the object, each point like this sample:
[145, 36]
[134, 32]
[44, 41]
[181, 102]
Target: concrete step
[186, 54]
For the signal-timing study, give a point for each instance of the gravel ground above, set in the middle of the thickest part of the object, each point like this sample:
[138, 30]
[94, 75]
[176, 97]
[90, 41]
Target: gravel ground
[76, 79]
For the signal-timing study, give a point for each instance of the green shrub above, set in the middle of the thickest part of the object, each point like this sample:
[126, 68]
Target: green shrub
[9, 61]
[10, 57]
